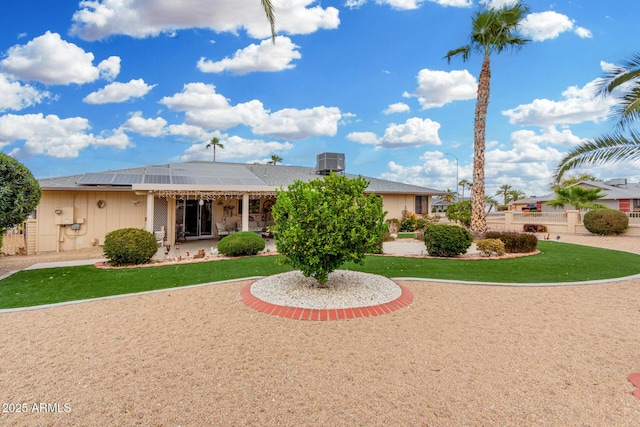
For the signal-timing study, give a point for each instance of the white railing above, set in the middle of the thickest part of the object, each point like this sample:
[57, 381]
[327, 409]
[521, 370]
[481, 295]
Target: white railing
[634, 217]
[539, 217]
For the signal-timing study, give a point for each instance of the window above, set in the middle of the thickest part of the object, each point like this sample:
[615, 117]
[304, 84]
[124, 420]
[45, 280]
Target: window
[422, 205]
[254, 206]
[636, 203]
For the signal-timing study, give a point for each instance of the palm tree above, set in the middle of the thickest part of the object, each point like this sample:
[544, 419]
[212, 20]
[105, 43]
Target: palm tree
[617, 145]
[504, 191]
[449, 198]
[492, 32]
[271, 17]
[274, 160]
[215, 142]
[465, 183]
[515, 195]
[579, 197]
[491, 202]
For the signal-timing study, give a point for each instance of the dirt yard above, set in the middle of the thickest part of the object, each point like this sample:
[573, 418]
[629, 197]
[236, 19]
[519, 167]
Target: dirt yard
[460, 355]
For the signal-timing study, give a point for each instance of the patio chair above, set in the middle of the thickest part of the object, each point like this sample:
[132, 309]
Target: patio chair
[221, 229]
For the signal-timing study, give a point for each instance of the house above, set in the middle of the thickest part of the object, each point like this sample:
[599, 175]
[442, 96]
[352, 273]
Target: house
[617, 194]
[191, 200]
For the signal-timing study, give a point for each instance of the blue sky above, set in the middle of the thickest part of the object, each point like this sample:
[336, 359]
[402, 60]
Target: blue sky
[109, 84]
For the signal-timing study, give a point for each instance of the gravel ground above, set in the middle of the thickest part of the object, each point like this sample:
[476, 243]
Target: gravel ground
[344, 289]
[460, 355]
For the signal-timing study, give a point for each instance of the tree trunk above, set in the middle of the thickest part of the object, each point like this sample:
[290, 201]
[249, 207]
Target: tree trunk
[478, 216]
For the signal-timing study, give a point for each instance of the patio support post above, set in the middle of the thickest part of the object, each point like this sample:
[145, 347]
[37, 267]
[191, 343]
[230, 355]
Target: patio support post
[245, 212]
[149, 219]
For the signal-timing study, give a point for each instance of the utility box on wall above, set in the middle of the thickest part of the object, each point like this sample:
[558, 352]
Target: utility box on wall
[65, 216]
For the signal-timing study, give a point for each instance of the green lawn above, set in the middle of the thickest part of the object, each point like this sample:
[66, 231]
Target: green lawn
[558, 262]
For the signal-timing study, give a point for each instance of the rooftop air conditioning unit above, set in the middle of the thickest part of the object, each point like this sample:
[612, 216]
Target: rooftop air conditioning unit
[618, 182]
[329, 162]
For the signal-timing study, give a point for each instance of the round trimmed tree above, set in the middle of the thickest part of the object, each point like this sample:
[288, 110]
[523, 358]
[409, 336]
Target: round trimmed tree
[19, 192]
[323, 223]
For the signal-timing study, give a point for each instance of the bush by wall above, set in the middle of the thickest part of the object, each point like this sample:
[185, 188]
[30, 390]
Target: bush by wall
[129, 246]
[514, 242]
[605, 221]
[447, 240]
[489, 246]
[241, 243]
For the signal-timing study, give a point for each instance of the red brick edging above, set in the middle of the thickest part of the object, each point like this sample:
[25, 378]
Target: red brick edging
[298, 313]
[635, 380]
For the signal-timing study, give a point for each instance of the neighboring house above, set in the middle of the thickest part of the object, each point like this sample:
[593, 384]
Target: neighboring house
[192, 200]
[617, 194]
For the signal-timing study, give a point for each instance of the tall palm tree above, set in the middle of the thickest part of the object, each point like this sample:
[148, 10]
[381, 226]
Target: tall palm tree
[271, 17]
[464, 183]
[493, 31]
[215, 142]
[617, 145]
[504, 191]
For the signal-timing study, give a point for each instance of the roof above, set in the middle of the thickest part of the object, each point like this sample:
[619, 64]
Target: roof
[213, 176]
[609, 192]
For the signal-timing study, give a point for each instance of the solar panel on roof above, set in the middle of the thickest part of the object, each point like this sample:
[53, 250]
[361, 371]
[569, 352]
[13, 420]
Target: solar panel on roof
[127, 178]
[96, 178]
[157, 179]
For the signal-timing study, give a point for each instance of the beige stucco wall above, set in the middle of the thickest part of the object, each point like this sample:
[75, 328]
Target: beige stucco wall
[394, 204]
[118, 212]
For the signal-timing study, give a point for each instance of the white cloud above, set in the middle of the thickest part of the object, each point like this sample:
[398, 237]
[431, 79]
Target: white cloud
[497, 4]
[109, 68]
[438, 88]
[549, 25]
[195, 96]
[398, 107]
[583, 33]
[148, 127]
[205, 108]
[53, 136]
[435, 171]
[266, 56]
[414, 132]
[579, 105]
[363, 137]
[119, 92]
[525, 163]
[16, 96]
[235, 147]
[49, 59]
[410, 4]
[139, 18]
[291, 123]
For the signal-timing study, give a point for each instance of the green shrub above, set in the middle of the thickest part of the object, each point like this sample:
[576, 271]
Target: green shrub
[489, 246]
[241, 243]
[460, 212]
[409, 221]
[514, 243]
[447, 240]
[605, 221]
[323, 223]
[129, 246]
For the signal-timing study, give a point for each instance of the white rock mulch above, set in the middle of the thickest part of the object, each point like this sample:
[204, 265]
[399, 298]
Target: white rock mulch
[344, 289]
